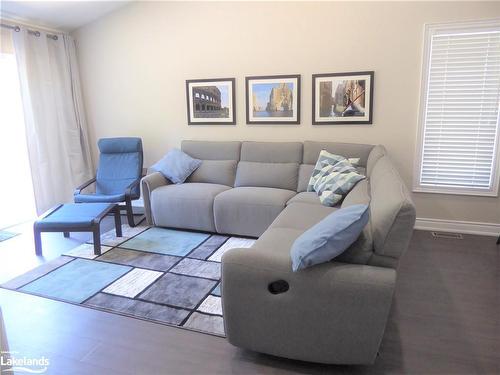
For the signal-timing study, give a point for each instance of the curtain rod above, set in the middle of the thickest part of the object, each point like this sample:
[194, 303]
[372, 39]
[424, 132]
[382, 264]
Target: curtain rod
[32, 32]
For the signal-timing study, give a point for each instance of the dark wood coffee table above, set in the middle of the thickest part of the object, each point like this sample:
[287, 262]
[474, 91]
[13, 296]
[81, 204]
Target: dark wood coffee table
[76, 217]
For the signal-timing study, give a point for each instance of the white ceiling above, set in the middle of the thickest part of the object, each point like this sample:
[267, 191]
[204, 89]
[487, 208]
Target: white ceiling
[58, 15]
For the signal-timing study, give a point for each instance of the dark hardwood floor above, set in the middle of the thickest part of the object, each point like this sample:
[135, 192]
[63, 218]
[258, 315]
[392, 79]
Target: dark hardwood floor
[445, 319]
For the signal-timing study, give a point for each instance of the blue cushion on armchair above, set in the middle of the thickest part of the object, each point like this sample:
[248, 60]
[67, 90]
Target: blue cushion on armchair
[176, 166]
[330, 237]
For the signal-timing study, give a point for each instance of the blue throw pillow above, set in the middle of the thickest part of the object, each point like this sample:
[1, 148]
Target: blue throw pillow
[330, 237]
[176, 166]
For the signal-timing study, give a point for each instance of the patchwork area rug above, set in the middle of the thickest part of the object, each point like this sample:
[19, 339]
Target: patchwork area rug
[161, 275]
[5, 235]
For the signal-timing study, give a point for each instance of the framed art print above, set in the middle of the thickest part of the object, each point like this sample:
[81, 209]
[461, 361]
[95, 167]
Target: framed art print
[273, 99]
[342, 98]
[211, 101]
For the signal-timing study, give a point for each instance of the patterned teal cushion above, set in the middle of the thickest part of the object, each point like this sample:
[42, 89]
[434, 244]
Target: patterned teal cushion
[325, 158]
[334, 180]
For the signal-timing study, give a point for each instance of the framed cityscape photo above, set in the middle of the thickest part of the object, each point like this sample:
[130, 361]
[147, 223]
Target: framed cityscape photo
[342, 98]
[211, 101]
[273, 99]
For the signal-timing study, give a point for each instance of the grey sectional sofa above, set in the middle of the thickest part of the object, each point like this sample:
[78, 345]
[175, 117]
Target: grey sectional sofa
[331, 313]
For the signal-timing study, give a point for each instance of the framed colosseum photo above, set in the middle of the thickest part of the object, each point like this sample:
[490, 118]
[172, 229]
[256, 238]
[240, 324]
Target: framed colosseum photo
[342, 98]
[273, 99]
[211, 101]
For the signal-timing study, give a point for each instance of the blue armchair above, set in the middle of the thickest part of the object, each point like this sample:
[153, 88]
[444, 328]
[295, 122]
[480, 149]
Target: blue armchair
[118, 175]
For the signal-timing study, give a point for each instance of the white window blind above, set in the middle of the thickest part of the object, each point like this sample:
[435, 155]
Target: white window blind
[459, 120]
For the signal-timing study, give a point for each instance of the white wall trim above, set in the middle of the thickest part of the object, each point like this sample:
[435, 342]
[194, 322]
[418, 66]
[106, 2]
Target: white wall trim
[454, 226]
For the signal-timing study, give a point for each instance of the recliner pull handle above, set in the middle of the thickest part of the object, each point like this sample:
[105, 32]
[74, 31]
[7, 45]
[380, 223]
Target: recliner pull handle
[278, 287]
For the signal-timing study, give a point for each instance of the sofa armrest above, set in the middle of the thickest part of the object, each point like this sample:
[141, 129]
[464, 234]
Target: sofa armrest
[330, 313]
[148, 184]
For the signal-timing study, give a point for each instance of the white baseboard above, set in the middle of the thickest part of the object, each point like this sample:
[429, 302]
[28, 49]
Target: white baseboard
[453, 226]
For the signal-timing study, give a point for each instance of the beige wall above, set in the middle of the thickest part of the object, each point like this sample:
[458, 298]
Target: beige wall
[134, 64]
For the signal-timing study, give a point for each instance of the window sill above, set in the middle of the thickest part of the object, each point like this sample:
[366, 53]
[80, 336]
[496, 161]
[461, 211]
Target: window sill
[436, 190]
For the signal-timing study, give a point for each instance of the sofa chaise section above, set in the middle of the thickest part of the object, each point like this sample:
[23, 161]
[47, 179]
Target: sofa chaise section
[333, 313]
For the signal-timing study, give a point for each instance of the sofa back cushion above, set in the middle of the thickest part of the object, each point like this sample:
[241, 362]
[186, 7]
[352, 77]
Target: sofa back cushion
[360, 194]
[219, 161]
[269, 164]
[305, 173]
[272, 152]
[376, 153]
[391, 209]
[361, 251]
[212, 150]
[347, 150]
[222, 172]
[273, 175]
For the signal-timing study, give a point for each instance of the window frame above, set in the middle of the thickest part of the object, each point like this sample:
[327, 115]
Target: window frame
[430, 30]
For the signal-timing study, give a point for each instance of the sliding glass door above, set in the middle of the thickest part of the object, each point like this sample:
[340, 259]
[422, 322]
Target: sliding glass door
[17, 203]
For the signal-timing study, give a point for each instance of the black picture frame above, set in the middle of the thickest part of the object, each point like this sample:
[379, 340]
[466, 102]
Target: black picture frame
[277, 120]
[193, 120]
[344, 120]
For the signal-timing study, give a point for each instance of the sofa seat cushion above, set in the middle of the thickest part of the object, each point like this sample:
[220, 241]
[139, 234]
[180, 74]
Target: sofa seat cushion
[305, 197]
[188, 206]
[248, 211]
[220, 172]
[301, 216]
